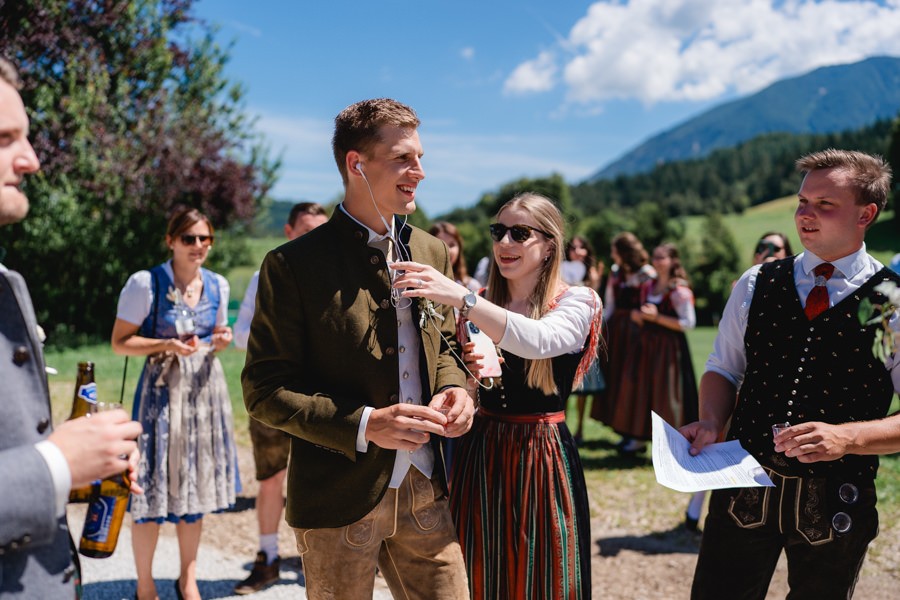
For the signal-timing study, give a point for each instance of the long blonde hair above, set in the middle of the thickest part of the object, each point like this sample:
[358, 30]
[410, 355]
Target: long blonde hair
[539, 372]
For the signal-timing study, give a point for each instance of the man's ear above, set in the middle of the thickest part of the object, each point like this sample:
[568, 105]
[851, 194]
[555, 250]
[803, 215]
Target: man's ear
[867, 214]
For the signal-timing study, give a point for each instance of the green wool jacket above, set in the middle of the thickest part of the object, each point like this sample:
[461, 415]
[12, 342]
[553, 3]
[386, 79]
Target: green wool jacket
[323, 345]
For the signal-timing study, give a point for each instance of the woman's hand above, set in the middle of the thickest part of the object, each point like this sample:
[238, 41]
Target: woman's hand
[183, 348]
[221, 337]
[650, 312]
[424, 281]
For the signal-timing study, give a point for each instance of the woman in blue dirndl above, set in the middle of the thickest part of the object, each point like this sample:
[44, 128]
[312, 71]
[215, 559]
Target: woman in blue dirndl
[175, 314]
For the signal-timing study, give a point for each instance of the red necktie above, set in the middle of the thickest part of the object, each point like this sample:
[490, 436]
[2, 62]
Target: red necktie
[817, 301]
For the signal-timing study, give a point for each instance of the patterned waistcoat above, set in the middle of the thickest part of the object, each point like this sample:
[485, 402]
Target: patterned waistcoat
[800, 370]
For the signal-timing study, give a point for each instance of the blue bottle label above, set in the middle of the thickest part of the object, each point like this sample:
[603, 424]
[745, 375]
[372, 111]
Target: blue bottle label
[88, 392]
[98, 519]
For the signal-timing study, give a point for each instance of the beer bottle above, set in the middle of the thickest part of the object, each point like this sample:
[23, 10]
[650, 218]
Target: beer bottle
[109, 499]
[85, 397]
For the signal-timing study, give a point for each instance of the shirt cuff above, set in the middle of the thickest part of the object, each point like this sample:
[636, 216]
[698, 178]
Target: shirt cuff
[361, 444]
[59, 473]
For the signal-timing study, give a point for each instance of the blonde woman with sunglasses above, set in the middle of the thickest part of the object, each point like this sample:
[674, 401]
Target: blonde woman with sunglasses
[518, 495]
[175, 314]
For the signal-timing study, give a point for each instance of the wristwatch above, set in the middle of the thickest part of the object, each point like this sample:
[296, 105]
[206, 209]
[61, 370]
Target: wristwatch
[469, 301]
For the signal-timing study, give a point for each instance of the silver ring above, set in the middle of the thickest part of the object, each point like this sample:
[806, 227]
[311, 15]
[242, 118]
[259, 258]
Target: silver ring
[420, 282]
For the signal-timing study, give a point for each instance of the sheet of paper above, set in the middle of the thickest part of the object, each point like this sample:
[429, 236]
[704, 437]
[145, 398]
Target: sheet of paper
[725, 465]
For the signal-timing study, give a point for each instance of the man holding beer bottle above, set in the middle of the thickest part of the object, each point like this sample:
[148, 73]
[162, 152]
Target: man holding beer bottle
[39, 464]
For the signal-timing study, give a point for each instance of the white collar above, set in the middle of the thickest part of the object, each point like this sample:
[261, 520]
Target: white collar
[848, 265]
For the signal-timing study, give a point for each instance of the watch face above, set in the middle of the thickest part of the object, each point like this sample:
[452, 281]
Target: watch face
[470, 299]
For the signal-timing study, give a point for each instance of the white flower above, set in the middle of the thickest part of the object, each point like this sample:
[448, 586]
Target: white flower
[889, 289]
[887, 340]
[174, 295]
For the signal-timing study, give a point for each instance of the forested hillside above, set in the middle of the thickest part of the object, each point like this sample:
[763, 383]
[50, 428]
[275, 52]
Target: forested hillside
[728, 180]
[828, 99]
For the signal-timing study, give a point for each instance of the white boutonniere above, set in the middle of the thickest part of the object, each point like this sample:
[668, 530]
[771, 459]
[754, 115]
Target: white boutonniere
[174, 295]
[427, 310]
[887, 341]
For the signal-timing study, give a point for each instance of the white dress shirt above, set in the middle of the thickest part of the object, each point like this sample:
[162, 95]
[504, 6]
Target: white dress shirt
[408, 345]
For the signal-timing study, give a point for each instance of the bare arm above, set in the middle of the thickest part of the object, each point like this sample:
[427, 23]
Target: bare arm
[815, 441]
[125, 341]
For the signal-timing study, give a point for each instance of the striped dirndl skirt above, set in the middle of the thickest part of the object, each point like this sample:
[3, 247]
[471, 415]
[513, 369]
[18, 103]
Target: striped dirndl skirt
[520, 505]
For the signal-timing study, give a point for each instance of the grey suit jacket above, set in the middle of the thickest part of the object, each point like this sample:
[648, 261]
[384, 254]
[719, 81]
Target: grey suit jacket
[35, 556]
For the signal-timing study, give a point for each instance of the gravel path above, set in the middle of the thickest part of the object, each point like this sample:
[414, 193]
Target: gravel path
[639, 553]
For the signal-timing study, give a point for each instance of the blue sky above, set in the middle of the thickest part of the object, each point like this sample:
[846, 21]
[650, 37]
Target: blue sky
[511, 89]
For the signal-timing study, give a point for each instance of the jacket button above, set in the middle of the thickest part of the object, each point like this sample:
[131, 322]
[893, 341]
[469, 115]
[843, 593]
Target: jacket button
[374, 259]
[395, 398]
[385, 304]
[43, 425]
[390, 351]
[358, 235]
[21, 355]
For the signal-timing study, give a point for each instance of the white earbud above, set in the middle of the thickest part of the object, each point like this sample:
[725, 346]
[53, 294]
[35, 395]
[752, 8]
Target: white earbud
[359, 168]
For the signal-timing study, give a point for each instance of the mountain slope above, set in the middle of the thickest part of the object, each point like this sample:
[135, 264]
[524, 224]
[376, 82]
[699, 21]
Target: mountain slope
[828, 99]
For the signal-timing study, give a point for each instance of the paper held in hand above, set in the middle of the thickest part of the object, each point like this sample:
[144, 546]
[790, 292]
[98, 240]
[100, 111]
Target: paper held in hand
[725, 465]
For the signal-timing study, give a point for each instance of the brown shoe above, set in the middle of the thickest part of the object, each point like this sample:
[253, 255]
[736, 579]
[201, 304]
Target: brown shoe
[261, 577]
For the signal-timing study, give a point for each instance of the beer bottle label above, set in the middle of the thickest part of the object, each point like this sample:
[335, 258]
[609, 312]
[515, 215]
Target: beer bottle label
[99, 518]
[88, 392]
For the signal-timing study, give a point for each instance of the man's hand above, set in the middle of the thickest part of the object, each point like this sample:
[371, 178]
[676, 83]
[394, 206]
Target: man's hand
[99, 446]
[815, 441]
[404, 426]
[700, 434]
[459, 408]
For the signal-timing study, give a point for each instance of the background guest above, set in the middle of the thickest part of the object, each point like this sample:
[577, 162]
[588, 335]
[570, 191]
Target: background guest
[449, 234]
[271, 447]
[175, 315]
[630, 271]
[665, 382]
[581, 268]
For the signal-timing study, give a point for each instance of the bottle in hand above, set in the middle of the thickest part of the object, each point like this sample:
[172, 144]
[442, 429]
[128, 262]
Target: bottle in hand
[85, 398]
[109, 499]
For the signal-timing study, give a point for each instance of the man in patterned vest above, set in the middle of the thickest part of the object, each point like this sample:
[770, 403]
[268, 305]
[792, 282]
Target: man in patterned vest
[791, 347]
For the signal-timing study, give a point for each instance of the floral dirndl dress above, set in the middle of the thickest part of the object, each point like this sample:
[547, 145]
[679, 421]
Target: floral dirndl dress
[188, 464]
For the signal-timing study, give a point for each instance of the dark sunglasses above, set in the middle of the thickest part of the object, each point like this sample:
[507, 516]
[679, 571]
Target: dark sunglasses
[190, 240]
[518, 233]
[769, 247]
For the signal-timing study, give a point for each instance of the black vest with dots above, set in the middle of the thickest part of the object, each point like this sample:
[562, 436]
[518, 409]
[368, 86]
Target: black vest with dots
[800, 370]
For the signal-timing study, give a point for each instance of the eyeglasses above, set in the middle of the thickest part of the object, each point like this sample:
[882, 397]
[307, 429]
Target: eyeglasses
[518, 233]
[190, 240]
[770, 247]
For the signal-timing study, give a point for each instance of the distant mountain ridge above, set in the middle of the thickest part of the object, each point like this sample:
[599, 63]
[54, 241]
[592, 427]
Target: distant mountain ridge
[825, 100]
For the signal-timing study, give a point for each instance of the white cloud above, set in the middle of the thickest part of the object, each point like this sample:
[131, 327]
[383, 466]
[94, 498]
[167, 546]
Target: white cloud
[538, 75]
[701, 49]
[467, 53]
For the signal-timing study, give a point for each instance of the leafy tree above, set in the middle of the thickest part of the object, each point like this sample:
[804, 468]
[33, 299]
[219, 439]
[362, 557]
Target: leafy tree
[131, 116]
[712, 267]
